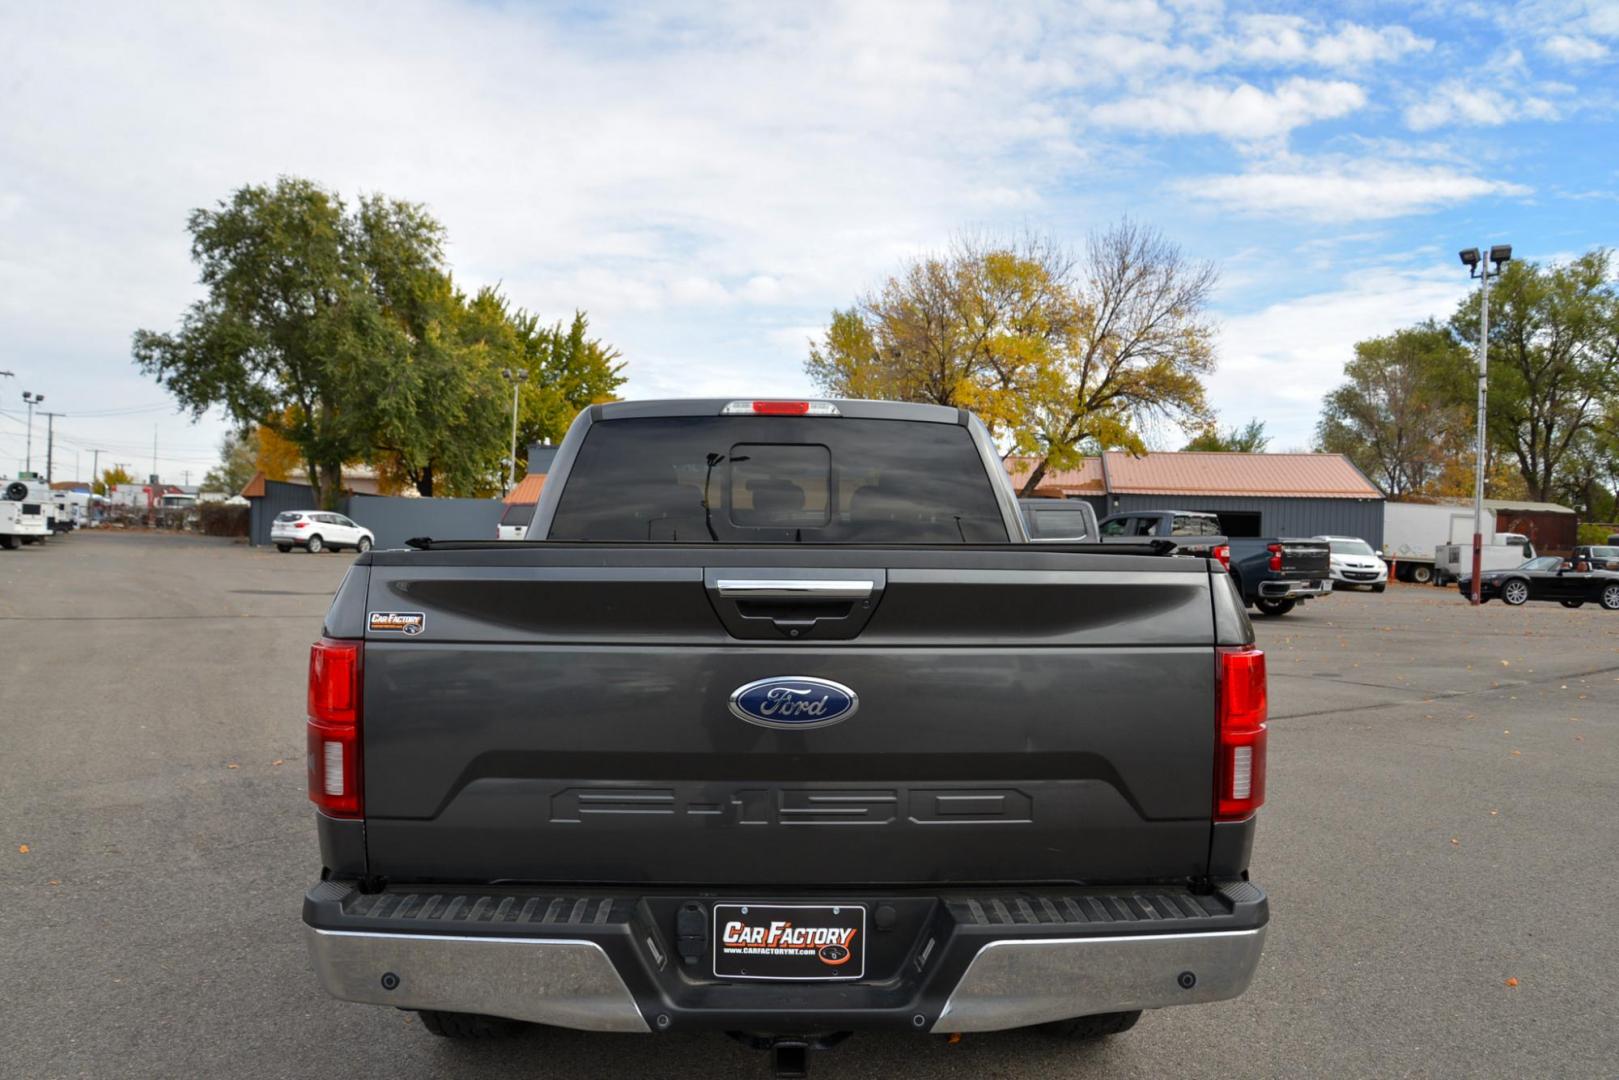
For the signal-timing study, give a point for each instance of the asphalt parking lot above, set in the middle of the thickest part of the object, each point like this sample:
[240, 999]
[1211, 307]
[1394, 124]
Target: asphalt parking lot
[1439, 848]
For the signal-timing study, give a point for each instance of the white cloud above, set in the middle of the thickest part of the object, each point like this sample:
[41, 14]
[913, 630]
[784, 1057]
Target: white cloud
[1456, 101]
[1277, 363]
[1290, 39]
[1241, 113]
[1574, 48]
[1342, 191]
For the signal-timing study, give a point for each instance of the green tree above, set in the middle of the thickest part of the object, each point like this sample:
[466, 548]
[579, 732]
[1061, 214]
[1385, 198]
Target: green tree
[285, 312]
[238, 461]
[1248, 439]
[1058, 354]
[1554, 361]
[1398, 415]
[567, 371]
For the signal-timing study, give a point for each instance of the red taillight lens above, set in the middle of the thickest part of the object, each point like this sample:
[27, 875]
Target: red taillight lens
[301, 525]
[1275, 555]
[781, 408]
[334, 727]
[1222, 555]
[1239, 770]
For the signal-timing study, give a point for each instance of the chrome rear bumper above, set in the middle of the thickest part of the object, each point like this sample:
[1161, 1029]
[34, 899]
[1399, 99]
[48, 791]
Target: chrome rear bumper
[1013, 984]
[569, 984]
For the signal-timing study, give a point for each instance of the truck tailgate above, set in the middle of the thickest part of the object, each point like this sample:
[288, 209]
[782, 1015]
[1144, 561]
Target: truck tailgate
[561, 714]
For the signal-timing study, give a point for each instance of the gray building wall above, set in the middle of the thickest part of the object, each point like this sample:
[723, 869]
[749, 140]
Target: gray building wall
[391, 519]
[394, 520]
[1278, 517]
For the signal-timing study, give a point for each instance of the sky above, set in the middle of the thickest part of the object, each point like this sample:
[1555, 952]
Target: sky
[708, 181]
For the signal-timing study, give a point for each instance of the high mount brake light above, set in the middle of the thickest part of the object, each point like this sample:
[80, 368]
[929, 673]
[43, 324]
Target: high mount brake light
[334, 728]
[1275, 555]
[1244, 705]
[780, 408]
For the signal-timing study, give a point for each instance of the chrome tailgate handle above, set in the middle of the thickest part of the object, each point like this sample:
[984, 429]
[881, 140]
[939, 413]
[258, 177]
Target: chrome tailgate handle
[793, 589]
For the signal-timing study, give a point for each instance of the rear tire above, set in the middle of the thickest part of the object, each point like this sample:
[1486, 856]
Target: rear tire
[1273, 608]
[8, 542]
[364, 545]
[283, 548]
[1422, 573]
[1092, 1027]
[456, 1025]
[315, 545]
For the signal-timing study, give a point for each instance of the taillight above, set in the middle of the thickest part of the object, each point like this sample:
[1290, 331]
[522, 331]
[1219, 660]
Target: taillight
[1222, 554]
[780, 408]
[334, 727]
[1275, 555]
[301, 525]
[1239, 769]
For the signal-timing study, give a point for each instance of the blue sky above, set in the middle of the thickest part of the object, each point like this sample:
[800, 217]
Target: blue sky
[709, 182]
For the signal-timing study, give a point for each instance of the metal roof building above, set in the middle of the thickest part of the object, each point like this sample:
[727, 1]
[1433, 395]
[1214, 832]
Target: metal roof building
[1254, 494]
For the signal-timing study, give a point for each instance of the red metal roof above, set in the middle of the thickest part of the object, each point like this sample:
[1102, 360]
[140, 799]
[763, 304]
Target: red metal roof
[1287, 476]
[527, 490]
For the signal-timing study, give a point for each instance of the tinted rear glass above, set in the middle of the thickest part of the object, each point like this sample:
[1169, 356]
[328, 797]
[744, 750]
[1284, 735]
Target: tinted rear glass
[518, 514]
[1055, 524]
[744, 479]
[289, 515]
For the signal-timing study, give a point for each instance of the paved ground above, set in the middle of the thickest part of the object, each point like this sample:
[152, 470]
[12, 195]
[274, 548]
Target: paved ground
[1442, 820]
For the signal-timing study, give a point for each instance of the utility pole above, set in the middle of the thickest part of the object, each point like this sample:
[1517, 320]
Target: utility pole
[95, 463]
[517, 378]
[1478, 266]
[50, 441]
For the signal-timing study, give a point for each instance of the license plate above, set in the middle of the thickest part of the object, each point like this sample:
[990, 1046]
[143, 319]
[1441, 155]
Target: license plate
[789, 941]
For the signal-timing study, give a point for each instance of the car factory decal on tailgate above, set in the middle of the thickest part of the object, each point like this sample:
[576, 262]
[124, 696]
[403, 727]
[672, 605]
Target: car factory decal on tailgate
[397, 622]
[773, 941]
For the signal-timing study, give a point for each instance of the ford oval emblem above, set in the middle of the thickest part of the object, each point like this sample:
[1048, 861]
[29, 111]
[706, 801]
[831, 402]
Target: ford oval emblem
[794, 702]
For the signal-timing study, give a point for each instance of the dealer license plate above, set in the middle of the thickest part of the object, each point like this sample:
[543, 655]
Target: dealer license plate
[789, 941]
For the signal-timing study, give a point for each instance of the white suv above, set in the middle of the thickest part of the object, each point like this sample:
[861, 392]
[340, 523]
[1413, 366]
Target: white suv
[318, 530]
[1355, 565]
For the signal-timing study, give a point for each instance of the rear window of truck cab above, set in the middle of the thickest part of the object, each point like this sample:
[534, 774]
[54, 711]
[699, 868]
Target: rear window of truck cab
[749, 480]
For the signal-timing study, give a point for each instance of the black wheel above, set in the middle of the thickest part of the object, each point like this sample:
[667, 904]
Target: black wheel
[1379, 588]
[455, 1025]
[1514, 591]
[29, 539]
[315, 545]
[1573, 603]
[1610, 596]
[283, 548]
[1422, 573]
[1093, 1027]
[364, 545]
[8, 542]
[1274, 607]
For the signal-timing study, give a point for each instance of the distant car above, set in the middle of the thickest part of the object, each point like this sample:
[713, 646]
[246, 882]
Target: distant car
[1600, 556]
[1355, 565]
[317, 531]
[514, 521]
[1056, 520]
[1549, 577]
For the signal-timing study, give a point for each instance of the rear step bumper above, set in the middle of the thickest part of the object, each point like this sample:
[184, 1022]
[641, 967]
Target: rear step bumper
[946, 962]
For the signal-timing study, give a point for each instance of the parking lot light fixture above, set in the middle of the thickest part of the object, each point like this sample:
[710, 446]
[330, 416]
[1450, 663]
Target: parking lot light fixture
[1499, 255]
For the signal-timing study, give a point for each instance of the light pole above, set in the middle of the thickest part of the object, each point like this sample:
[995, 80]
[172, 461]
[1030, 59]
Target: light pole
[1480, 267]
[31, 399]
[517, 378]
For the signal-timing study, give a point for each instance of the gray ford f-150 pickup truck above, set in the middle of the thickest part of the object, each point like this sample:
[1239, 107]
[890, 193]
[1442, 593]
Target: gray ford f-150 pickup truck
[778, 725]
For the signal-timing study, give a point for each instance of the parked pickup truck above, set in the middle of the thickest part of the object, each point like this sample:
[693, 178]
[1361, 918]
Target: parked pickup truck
[1273, 574]
[778, 725]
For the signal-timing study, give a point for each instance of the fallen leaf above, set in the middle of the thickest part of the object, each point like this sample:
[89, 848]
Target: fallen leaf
[1455, 840]
[1506, 663]
[1512, 981]
[22, 849]
[1517, 753]
[232, 765]
[1579, 738]
[955, 1037]
[278, 761]
[1494, 813]
[53, 881]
